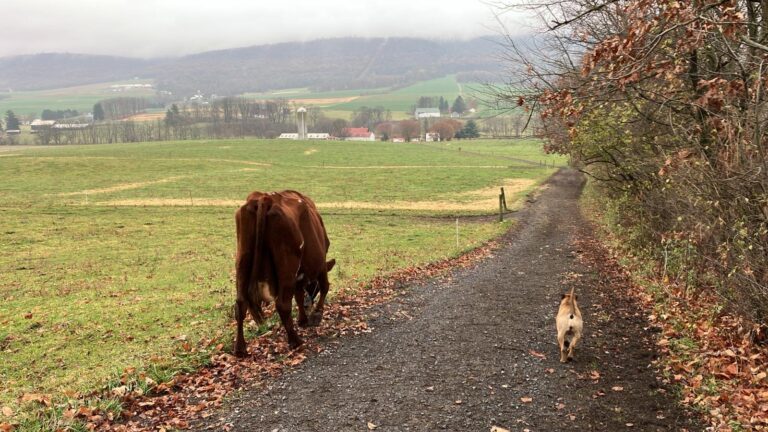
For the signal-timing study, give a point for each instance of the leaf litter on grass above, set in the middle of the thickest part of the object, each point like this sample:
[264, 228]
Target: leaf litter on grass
[710, 354]
[188, 397]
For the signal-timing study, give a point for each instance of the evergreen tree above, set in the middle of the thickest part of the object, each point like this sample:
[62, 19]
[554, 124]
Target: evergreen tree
[443, 105]
[98, 112]
[470, 130]
[458, 105]
[173, 115]
[11, 121]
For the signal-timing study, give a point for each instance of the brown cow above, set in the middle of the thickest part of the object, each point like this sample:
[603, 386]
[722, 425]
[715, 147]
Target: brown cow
[281, 248]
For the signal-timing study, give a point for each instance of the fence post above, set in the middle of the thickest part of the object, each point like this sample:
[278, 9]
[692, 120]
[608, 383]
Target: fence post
[457, 233]
[504, 198]
[501, 210]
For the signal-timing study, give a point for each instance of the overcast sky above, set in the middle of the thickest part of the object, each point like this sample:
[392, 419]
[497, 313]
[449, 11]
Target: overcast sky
[152, 28]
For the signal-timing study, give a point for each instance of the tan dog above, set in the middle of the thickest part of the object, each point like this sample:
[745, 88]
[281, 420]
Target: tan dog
[569, 326]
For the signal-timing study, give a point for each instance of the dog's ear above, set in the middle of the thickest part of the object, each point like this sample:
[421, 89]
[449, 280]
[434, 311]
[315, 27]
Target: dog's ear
[563, 296]
[576, 297]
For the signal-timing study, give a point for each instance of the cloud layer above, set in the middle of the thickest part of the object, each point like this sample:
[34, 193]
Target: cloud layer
[154, 28]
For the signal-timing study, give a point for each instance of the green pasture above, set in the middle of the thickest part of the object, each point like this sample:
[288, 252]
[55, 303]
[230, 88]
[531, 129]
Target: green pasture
[397, 100]
[401, 100]
[113, 254]
[518, 148]
[81, 98]
[306, 93]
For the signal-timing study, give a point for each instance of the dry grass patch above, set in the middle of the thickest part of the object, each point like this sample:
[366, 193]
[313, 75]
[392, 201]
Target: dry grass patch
[376, 167]
[123, 187]
[146, 117]
[173, 202]
[485, 199]
[511, 186]
[324, 101]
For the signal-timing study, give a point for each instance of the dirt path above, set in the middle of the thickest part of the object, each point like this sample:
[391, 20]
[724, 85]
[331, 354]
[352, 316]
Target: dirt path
[460, 353]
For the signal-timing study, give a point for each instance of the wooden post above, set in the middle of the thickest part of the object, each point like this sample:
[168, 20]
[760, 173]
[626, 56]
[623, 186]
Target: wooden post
[504, 199]
[457, 233]
[190, 199]
[501, 210]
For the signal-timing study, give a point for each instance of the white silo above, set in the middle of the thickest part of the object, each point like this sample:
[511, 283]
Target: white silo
[301, 120]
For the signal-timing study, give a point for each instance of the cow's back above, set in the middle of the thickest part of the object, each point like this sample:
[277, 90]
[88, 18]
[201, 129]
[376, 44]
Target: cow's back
[312, 229]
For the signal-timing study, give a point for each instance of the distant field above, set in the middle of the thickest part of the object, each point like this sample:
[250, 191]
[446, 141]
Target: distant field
[112, 253]
[402, 99]
[81, 98]
[338, 104]
[399, 101]
[305, 93]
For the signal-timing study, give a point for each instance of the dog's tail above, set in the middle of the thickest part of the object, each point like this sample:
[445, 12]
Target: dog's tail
[570, 301]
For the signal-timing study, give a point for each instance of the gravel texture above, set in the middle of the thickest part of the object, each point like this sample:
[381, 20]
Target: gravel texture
[477, 349]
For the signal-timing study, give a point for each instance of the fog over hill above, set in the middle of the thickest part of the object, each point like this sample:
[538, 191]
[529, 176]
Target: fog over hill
[328, 64]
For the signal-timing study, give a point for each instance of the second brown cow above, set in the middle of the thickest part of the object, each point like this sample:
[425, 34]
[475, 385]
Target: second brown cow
[281, 255]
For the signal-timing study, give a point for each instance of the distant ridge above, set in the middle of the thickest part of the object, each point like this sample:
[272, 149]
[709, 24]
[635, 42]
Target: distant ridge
[326, 64]
[56, 70]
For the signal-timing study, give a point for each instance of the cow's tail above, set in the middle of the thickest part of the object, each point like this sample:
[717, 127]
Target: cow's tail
[254, 293]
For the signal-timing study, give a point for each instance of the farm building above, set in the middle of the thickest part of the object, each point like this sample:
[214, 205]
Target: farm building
[421, 113]
[38, 125]
[312, 136]
[70, 126]
[13, 132]
[431, 136]
[358, 134]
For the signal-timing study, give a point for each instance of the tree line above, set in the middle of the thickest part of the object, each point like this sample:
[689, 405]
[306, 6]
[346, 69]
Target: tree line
[459, 106]
[663, 103]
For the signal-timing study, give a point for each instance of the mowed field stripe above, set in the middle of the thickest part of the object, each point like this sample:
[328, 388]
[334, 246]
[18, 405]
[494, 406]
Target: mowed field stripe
[232, 161]
[124, 186]
[384, 167]
[485, 199]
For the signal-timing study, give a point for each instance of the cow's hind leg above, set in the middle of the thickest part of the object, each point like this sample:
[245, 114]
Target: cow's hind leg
[240, 310]
[299, 295]
[317, 313]
[283, 305]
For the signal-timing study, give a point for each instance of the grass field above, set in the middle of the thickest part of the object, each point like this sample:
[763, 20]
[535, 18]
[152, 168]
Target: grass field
[81, 98]
[399, 101]
[335, 104]
[111, 254]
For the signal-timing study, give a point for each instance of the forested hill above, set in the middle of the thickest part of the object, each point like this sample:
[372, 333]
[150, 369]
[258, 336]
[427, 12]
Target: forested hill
[331, 64]
[56, 70]
[328, 64]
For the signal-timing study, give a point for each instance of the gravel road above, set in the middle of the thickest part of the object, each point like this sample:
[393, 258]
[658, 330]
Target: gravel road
[477, 349]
